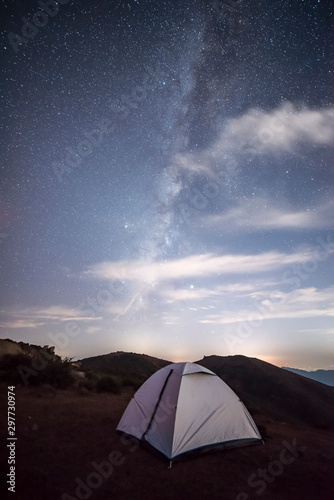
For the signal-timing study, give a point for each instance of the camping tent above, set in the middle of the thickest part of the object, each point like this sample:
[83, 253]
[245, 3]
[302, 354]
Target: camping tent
[184, 407]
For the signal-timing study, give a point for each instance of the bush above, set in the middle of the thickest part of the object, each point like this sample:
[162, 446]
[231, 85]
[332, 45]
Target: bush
[108, 384]
[88, 385]
[135, 381]
[9, 367]
[58, 373]
[36, 370]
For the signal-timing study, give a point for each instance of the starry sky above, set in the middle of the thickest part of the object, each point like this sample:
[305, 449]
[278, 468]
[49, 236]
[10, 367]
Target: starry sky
[167, 178]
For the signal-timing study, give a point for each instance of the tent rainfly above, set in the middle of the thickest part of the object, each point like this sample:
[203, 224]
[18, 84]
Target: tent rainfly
[185, 407]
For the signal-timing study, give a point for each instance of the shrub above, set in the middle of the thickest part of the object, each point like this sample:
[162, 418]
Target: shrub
[87, 385]
[53, 370]
[58, 373]
[108, 384]
[135, 381]
[9, 363]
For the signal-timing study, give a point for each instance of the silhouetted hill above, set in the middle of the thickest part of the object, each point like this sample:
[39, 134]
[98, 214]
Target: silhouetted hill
[272, 391]
[125, 364]
[265, 389]
[323, 376]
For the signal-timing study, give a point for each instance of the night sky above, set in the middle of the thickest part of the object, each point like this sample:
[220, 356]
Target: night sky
[167, 178]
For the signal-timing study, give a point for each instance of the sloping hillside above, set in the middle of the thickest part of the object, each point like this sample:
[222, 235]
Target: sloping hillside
[125, 363]
[277, 393]
[264, 388]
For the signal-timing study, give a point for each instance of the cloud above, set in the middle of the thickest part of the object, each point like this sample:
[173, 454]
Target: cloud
[172, 295]
[194, 266]
[301, 303]
[260, 214]
[93, 329]
[20, 323]
[279, 129]
[170, 319]
[259, 132]
[34, 317]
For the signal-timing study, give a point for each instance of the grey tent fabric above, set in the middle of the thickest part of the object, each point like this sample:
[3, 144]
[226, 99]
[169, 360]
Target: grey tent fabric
[184, 407]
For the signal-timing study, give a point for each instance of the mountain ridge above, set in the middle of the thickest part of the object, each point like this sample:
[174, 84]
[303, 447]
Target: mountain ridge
[323, 376]
[278, 394]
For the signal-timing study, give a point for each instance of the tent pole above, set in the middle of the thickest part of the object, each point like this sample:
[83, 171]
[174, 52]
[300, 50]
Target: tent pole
[157, 404]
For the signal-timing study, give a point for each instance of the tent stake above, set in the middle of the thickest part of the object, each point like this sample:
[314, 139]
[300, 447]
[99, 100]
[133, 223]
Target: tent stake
[170, 464]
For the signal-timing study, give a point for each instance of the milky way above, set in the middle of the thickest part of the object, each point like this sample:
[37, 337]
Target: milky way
[167, 178]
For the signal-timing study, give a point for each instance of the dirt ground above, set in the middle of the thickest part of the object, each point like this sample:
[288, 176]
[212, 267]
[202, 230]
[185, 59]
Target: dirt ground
[66, 443]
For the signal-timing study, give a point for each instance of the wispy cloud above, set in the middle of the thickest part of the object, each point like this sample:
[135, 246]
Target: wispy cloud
[190, 294]
[93, 329]
[21, 323]
[206, 265]
[169, 319]
[36, 317]
[281, 128]
[301, 303]
[260, 132]
[260, 214]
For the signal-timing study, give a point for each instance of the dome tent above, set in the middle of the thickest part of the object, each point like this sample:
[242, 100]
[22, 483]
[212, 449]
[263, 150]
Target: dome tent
[185, 407]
